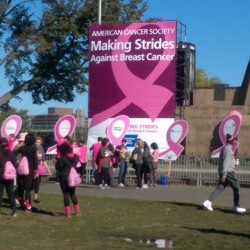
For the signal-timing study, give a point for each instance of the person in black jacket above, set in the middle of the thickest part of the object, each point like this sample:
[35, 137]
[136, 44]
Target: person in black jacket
[137, 164]
[147, 164]
[24, 182]
[66, 161]
[7, 155]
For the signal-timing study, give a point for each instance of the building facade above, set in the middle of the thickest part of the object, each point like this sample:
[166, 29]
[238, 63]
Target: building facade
[209, 107]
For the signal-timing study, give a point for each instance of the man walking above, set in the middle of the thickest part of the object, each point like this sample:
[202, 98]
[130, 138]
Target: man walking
[226, 170]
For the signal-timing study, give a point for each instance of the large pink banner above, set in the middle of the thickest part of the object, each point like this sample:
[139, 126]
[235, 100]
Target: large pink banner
[132, 71]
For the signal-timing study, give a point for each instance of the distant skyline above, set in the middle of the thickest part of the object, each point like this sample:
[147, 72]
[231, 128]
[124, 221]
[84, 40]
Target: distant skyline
[219, 29]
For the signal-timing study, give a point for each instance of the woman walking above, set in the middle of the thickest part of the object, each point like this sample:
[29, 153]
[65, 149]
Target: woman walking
[24, 182]
[7, 155]
[42, 168]
[64, 164]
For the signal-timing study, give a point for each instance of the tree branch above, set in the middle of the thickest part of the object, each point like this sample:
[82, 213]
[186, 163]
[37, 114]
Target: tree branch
[13, 93]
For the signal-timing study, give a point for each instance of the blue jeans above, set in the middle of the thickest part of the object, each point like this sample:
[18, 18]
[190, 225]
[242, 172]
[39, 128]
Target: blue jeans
[122, 172]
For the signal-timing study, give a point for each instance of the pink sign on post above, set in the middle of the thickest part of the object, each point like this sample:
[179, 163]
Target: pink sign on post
[230, 125]
[11, 125]
[117, 129]
[64, 126]
[175, 135]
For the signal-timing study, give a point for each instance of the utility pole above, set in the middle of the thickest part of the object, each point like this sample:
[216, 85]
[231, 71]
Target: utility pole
[100, 12]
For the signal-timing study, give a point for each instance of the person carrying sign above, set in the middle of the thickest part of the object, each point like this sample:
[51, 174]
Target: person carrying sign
[226, 170]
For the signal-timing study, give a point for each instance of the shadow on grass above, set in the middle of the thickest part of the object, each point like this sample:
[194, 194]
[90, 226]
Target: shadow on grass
[6, 203]
[41, 211]
[182, 204]
[215, 231]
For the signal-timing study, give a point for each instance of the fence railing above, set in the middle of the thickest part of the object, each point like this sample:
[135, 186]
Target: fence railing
[185, 170]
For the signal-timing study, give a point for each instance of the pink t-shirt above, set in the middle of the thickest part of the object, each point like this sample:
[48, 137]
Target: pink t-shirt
[83, 154]
[95, 148]
[12, 144]
[155, 155]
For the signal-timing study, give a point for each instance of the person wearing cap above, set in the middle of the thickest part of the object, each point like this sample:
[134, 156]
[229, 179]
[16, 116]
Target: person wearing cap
[226, 171]
[7, 155]
[123, 151]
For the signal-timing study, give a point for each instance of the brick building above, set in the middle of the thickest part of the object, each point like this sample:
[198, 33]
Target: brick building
[208, 108]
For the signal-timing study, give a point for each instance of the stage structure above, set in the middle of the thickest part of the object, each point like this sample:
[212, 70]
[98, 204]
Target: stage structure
[132, 81]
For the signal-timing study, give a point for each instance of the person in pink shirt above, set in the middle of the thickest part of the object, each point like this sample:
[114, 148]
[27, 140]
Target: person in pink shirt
[95, 148]
[12, 142]
[82, 157]
[155, 155]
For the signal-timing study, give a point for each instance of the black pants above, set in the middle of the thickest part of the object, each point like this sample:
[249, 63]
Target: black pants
[105, 175]
[36, 184]
[9, 186]
[24, 183]
[69, 193]
[138, 174]
[145, 172]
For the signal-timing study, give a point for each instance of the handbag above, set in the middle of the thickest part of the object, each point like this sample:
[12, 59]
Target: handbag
[23, 166]
[74, 178]
[9, 172]
[134, 157]
[41, 169]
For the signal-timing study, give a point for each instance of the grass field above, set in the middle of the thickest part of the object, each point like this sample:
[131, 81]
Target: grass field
[108, 223]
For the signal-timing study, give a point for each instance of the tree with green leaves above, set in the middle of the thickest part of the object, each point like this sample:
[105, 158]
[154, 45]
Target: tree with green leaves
[44, 44]
[202, 80]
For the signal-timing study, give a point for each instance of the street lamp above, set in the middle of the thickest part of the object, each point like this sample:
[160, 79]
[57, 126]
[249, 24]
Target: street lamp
[100, 12]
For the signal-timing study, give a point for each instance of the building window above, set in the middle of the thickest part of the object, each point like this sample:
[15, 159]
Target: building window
[219, 93]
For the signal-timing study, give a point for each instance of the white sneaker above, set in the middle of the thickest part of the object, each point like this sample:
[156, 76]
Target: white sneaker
[107, 186]
[121, 185]
[144, 186]
[208, 205]
[237, 209]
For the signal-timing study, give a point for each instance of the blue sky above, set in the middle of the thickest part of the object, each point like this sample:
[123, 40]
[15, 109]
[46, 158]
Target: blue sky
[220, 29]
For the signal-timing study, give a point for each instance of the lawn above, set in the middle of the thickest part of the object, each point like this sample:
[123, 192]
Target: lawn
[108, 223]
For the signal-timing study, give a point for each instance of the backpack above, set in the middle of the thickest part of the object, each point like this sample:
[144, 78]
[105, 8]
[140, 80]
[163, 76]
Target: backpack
[163, 180]
[9, 172]
[23, 166]
[74, 178]
[41, 170]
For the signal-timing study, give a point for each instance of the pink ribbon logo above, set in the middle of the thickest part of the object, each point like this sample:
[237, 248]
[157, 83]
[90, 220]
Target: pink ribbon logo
[11, 125]
[175, 135]
[117, 129]
[141, 92]
[230, 125]
[64, 126]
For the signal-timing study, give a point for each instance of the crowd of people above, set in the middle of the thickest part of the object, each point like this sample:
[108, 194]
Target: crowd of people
[23, 190]
[26, 155]
[105, 157]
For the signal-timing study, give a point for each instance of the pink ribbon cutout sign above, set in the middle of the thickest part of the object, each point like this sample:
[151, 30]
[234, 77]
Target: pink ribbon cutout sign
[117, 129]
[175, 135]
[141, 92]
[230, 125]
[64, 126]
[11, 125]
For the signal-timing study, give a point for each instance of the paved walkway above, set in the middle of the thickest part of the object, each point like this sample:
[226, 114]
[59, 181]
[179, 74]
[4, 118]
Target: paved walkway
[170, 193]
